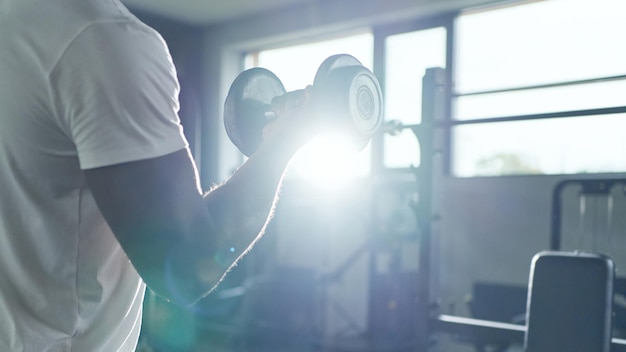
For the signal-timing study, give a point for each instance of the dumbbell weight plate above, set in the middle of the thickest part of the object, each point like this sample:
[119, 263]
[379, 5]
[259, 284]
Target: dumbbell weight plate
[349, 95]
[248, 100]
[333, 62]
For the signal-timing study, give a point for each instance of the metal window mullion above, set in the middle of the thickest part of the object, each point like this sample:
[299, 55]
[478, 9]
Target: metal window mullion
[550, 115]
[447, 143]
[542, 86]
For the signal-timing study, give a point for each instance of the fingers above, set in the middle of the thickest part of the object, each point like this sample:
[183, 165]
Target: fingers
[293, 118]
[291, 100]
[287, 102]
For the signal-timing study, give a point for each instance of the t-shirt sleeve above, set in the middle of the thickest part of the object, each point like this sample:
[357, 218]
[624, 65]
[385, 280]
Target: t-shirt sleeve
[115, 93]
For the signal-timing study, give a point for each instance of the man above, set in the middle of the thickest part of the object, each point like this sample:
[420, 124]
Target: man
[98, 193]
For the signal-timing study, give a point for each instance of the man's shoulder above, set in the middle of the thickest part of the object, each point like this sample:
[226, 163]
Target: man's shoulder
[64, 21]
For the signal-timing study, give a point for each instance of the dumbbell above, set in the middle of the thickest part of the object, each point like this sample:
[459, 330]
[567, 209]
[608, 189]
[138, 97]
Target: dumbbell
[345, 94]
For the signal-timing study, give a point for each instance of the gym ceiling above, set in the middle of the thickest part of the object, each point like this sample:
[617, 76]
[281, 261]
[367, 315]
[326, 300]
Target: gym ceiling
[203, 12]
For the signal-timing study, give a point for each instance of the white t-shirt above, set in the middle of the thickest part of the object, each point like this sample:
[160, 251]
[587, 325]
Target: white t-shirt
[83, 84]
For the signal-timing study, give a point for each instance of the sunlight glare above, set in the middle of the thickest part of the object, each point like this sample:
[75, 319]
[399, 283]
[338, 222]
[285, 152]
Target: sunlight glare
[330, 162]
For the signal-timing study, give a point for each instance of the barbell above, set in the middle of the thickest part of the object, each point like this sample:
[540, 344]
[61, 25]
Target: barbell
[345, 95]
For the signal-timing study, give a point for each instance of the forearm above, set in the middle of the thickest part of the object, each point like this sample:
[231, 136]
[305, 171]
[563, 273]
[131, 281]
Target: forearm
[243, 205]
[238, 212]
[183, 242]
[241, 208]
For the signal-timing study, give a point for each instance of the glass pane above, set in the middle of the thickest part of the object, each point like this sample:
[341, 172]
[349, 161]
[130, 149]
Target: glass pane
[527, 102]
[552, 146]
[408, 55]
[540, 42]
[296, 65]
[401, 150]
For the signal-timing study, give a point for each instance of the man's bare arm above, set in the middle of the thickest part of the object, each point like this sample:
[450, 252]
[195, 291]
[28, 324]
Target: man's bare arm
[180, 241]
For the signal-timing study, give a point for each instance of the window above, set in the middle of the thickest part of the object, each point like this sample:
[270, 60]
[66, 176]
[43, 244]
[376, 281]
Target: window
[583, 144]
[296, 65]
[539, 89]
[407, 56]
[536, 88]
[321, 162]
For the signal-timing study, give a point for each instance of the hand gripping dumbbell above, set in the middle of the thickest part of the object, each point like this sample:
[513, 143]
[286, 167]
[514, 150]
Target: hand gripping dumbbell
[344, 92]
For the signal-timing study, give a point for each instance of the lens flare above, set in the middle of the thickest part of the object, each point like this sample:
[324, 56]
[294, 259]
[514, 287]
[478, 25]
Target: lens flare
[329, 161]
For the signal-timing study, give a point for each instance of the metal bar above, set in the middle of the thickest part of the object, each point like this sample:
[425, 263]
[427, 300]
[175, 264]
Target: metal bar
[448, 156]
[431, 91]
[549, 115]
[543, 86]
[416, 24]
[555, 225]
[377, 155]
[477, 330]
[391, 127]
[589, 185]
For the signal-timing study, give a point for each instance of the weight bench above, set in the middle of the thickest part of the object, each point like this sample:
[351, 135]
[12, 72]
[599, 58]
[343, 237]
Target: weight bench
[570, 303]
[569, 309]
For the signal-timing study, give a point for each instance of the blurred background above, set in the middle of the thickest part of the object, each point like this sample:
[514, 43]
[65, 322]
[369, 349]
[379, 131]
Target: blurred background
[529, 113]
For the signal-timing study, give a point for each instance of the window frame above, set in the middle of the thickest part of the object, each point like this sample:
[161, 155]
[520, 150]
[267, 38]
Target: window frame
[452, 122]
[381, 33]
[448, 21]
